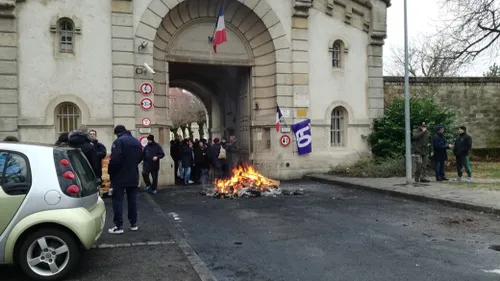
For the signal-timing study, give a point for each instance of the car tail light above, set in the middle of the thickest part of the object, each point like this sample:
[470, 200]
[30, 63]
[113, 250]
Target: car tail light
[73, 189]
[68, 175]
[64, 162]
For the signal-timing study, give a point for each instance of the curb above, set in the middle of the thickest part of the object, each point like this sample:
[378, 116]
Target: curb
[414, 197]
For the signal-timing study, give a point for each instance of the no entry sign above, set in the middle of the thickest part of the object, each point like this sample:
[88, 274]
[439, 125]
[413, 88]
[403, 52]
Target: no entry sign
[285, 140]
[146, 104]
[144, 141]
[146, 122]
[146, 88]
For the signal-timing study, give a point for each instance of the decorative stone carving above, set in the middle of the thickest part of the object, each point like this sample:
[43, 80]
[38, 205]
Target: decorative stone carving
[301, 8]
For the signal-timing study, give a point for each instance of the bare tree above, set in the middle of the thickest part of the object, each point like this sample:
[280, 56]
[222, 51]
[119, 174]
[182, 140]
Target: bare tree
[493, 71]
[473, 27]
[185, 108]
[428, 56]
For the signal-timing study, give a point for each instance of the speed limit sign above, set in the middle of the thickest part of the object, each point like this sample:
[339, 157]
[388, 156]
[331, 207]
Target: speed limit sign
[285, 140]
[146, 88]
[146, 104]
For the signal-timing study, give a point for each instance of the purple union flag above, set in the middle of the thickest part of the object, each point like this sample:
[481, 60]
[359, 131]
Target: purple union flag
[302, 131]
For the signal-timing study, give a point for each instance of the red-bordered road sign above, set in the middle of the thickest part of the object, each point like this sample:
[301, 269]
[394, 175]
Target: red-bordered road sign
[144, 141]
[146, 88]
[146, 122]
[146, 104]
[285, 140]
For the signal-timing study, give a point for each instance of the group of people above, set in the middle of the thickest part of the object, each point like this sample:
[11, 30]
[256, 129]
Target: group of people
[123, 168]
[426, 146]
[195, 159]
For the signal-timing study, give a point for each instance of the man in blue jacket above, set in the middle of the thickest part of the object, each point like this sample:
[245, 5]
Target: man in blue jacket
[440, 153]
[151, 155]
[126, 154]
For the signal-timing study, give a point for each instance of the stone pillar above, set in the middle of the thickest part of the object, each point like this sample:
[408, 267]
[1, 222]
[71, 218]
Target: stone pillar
[300, 57]
[9, 80]
[122, 45]
[377, 33]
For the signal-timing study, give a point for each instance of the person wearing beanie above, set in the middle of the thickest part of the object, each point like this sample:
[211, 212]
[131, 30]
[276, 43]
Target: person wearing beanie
[422, 148]
[123, 170]
[463, 145]
[440, 153]
[151, 155]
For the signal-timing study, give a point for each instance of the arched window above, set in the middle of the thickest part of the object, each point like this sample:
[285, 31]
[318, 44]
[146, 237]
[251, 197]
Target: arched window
[337, 126]
[338, 50]
[66, 38]
[68, 117]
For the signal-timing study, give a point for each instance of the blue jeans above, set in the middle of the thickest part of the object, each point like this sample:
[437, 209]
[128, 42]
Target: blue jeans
[439, 169]
[117, 199]
[187, 174]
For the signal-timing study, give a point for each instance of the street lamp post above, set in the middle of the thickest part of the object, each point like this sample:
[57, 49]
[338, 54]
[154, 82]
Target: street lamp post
[407, 102]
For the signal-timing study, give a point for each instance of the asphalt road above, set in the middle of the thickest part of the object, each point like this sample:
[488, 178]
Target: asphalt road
[335, 234]
[328, 233]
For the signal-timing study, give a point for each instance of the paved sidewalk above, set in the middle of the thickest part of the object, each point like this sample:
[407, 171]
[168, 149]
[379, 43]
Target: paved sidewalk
[452, 194]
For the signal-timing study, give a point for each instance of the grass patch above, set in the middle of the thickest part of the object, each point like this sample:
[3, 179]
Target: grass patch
[372, 168]
[395, 167]
[484, 170]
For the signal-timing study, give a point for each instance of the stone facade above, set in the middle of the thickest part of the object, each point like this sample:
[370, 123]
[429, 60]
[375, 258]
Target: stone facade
[273, 56]
[476, 101]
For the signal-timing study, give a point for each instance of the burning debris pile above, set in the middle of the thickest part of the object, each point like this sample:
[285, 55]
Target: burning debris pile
[245, 182]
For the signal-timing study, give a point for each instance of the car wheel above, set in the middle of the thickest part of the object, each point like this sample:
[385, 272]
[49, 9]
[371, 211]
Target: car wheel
[48, 254]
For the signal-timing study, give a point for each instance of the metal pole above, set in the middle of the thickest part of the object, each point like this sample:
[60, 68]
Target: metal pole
[407, 103]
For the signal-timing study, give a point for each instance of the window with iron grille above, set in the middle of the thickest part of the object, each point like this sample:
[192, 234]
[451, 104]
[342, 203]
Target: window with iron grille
[66, 39]
[67, 117]
[337, 127]
[336, 54]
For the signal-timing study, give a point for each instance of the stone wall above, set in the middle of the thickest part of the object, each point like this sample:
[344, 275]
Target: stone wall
[476, 100]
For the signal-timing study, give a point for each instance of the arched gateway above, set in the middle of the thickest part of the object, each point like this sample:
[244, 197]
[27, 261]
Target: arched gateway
[238, 84]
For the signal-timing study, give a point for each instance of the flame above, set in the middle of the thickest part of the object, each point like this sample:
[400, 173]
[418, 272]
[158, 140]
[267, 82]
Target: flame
[244, 176]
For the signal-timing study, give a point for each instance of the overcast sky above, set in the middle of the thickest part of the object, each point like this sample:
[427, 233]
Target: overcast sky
[422, 18]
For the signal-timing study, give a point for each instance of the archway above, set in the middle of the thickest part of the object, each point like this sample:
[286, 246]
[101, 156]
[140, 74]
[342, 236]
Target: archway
[246, 75]
[188, 113]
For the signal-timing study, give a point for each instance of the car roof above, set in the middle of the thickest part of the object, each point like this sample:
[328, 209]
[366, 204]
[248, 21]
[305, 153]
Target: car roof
[31, 145]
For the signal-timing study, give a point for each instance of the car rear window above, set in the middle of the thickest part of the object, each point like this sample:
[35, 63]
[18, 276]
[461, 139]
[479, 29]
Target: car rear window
[84, 172]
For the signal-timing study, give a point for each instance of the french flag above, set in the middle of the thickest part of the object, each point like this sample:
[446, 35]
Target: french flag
[220, 35]
[279, 117]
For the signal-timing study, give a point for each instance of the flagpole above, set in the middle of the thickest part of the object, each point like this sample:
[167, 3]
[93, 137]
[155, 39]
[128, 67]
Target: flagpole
[407, 102]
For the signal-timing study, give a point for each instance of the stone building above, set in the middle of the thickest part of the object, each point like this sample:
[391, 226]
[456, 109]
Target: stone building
[70, 62]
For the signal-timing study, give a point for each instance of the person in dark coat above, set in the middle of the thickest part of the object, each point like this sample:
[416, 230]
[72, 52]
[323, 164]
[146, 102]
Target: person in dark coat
[101, 152]
[151, 155]
[202, 162]
[175, 153]
[217, 164]
[123, 170]
[232, 149]
[463, 145]
[81, 139]
[187, 161]
[62, 140]
[440, 153]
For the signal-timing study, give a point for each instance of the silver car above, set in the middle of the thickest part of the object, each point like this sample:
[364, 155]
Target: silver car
[51, 209]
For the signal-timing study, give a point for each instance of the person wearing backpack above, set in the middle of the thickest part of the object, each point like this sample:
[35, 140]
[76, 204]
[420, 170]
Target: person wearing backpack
[218, 154]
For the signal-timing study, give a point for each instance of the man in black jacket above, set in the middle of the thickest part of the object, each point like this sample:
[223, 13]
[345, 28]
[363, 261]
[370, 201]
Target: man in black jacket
[126, 154]
[81, 139]
[463, 144]
[101, 152]
[440, 153]
[151, 155]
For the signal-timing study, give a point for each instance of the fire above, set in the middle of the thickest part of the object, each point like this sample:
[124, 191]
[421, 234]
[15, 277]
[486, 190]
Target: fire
[244, 179]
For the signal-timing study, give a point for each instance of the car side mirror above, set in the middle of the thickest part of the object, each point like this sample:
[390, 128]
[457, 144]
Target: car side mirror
[16, 188]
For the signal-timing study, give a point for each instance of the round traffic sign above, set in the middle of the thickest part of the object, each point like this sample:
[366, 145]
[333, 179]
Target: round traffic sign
[146, 88]
[144, 141]
[285, 140]
[146, 122]
[146, 104]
